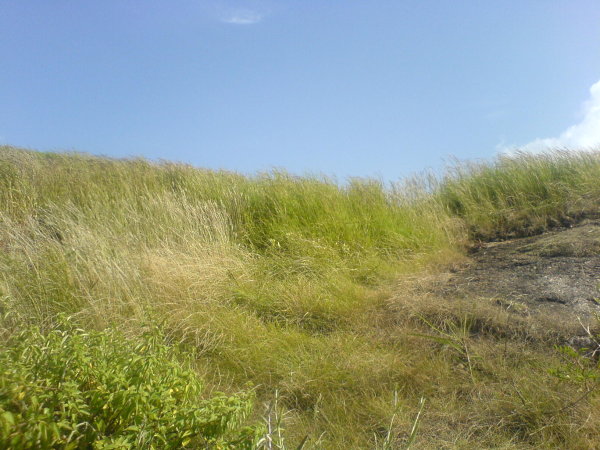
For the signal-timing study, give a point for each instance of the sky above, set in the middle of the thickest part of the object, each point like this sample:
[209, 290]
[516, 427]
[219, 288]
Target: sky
[345, 88]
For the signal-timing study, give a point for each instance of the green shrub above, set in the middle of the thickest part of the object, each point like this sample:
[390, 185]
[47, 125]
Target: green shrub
[73, 389]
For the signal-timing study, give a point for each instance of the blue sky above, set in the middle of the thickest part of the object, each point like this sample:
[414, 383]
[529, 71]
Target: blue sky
[345, 88]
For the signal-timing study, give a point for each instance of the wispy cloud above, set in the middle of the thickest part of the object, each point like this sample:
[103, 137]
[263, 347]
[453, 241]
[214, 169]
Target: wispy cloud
[242, 17]
[581, 136]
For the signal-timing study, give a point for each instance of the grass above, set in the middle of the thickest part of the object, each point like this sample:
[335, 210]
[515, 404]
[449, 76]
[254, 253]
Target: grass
[302, 287]
[523, 194]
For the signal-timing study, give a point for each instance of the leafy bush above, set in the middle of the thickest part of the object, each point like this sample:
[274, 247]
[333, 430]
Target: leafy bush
[73, 389]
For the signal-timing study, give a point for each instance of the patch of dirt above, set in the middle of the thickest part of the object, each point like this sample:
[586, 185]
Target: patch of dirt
[553, 274]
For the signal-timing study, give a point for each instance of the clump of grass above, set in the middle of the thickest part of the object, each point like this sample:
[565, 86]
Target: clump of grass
[524, 193]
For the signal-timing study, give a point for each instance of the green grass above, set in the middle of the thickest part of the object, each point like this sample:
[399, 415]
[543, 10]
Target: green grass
[523, 194]
[291, 284]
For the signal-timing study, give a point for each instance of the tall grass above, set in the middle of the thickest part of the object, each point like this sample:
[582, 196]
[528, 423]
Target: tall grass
[289, 283]
[525, 193]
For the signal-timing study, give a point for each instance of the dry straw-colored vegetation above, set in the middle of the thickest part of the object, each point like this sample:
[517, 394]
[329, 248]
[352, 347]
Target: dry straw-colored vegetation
[302, 290]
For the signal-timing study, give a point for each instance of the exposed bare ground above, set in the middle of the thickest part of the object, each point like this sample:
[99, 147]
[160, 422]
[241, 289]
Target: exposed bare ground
[556, 272]
[539, 287]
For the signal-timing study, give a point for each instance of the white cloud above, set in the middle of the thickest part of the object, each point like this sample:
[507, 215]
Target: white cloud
[242, 17]
[582, 136]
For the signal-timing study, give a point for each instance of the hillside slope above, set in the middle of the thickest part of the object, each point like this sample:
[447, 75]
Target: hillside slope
[329, 304]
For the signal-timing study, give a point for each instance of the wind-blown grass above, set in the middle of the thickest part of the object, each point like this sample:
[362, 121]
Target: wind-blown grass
[289, 283]
[525, 193]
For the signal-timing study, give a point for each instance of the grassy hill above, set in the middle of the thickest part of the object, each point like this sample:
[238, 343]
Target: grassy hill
[292, 291]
